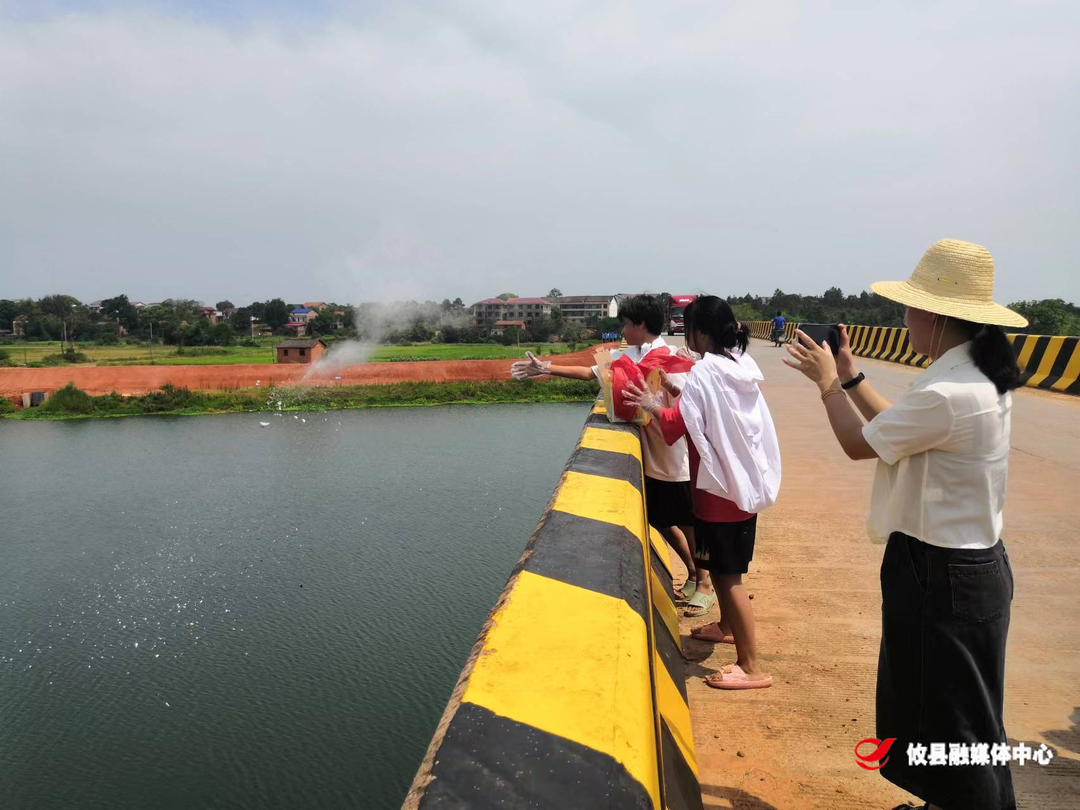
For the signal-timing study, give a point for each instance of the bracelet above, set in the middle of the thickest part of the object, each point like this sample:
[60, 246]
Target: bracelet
[828, 392]
[853, 382]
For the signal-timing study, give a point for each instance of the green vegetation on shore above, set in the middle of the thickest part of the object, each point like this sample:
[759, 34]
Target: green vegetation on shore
[72, 403]
[47, 353]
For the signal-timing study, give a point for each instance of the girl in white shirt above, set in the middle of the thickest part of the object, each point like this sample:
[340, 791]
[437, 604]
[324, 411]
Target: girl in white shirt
[939, 491]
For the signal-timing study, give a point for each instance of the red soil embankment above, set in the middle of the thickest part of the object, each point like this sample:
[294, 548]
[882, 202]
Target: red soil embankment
[143, 379]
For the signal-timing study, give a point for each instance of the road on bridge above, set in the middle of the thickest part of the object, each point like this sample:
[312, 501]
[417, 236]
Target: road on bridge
[817, 600]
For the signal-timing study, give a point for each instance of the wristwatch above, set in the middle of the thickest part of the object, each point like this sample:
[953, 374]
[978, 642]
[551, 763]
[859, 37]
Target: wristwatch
[853, 382]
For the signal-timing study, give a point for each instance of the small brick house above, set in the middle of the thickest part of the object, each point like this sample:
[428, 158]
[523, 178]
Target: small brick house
[300, 351]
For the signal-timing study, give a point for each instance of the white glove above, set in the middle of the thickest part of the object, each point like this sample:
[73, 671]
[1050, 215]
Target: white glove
[642, 398]
[532, 367]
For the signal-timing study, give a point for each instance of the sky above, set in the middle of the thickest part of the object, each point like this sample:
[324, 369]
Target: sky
[423, 150]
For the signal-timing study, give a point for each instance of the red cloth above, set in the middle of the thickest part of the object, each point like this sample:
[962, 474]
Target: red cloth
[708, 507]
[625, 370]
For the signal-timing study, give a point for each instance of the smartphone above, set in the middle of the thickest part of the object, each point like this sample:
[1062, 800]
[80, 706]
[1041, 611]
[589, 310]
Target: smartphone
[827, 332]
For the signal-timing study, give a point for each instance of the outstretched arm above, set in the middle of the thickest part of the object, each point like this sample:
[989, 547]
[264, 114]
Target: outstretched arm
[533, 366]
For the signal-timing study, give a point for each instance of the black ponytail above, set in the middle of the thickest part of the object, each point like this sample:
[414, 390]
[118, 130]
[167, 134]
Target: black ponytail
[994, 355]
[712, 316]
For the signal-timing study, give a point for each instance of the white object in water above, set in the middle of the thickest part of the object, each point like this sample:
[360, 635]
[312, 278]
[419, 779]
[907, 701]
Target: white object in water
[265, 424]
[304, 421]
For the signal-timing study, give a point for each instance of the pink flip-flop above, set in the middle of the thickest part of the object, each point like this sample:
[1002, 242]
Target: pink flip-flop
[733, 677]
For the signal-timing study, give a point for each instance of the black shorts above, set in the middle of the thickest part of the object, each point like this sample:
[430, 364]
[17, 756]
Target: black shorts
[725, 548]
[668, 503]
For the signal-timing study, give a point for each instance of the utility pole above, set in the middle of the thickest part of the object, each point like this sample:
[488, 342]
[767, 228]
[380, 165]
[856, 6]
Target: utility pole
[151, 343]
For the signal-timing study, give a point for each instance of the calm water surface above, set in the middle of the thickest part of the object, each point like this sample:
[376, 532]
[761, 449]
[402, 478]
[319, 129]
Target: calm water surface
[197, 612]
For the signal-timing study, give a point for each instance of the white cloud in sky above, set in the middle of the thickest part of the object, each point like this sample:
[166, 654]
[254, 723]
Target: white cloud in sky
[430, 151]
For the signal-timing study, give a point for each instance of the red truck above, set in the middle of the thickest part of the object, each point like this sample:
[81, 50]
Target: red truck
[679, 303]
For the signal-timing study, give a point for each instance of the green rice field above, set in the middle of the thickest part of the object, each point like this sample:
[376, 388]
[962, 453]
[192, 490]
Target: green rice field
[140, 355]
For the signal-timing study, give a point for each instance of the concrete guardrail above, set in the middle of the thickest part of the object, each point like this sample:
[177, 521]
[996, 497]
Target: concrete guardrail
[574, 694]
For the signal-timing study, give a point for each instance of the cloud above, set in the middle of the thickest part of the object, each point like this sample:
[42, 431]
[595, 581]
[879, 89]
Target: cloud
[437, 150]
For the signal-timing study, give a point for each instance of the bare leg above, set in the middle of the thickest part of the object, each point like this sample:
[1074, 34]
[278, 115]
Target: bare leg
[740, 613]
[677, 540]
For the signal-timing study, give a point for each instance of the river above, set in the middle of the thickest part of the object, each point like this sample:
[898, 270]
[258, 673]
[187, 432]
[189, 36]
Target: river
[200, 612]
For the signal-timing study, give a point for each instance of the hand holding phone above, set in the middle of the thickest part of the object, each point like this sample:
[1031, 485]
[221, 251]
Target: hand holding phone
[828, 333]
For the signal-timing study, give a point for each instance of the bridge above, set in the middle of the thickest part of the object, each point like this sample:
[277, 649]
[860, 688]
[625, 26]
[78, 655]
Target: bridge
[817, 601]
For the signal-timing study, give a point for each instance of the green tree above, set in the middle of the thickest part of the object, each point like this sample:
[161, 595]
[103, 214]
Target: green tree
[507, 296]
[58, 305]
[325, 322]
[1050, 316]
[554, 294]
[224, 306]
[120, 310]
[222, 334]
[510, 336]
[276, 313]
[542, 329]
[572, 331]
[746, 312]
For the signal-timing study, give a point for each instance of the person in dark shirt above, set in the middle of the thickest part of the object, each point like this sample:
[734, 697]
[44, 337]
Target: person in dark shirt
[778, 325]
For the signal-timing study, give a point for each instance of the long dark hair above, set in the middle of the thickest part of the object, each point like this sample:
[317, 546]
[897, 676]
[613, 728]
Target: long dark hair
[993, 355]
[712, 316]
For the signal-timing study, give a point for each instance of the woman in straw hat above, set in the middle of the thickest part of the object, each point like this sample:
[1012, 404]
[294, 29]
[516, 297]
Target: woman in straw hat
[939, 490]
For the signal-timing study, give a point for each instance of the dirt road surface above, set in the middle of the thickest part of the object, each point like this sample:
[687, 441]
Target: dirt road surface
[817, 599]
[144, 379]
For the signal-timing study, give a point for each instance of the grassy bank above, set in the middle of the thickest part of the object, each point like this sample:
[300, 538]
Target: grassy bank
[72, 403]
[44, 352]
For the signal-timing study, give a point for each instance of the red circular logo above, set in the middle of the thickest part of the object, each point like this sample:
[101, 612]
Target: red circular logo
[879, 755]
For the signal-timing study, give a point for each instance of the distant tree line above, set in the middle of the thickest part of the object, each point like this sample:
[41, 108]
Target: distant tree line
[182, 322]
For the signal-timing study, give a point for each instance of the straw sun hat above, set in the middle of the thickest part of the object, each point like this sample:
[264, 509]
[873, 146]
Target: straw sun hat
[953, 278]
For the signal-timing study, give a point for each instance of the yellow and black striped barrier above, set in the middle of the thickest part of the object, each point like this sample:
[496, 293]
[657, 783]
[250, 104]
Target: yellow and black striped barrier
[1049, 362]
[574, 695]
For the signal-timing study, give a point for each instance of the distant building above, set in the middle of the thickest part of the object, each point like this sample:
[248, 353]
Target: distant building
[209, 314]
[527, 310]
[502, 326]
[18, 326]
[94, 306]
[582, 308]
[300, 351]
[298, 328]
[314, 304]
[305, 314]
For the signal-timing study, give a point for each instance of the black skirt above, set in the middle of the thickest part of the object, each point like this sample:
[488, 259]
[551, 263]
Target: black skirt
[941, 670]
[668, 503]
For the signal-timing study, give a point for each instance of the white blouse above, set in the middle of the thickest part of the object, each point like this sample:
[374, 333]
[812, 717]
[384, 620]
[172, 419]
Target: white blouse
[732, 429]
[944, 450]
